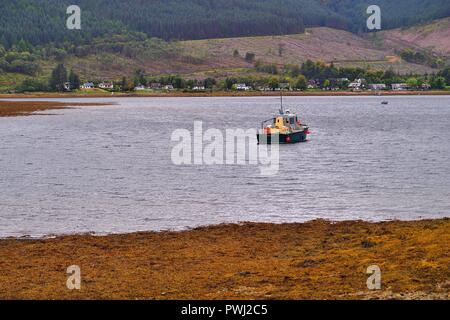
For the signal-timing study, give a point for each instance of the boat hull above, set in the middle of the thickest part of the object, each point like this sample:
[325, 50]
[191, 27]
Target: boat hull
[289, 138]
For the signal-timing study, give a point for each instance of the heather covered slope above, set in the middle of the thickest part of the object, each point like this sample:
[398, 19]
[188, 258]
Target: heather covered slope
[434, 36]
[325, 44]
[194, 56]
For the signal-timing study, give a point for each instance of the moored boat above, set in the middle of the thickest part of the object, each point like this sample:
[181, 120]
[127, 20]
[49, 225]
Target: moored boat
[284, 128]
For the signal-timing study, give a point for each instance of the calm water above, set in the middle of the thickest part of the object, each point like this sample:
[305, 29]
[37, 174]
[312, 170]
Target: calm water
[108, 169]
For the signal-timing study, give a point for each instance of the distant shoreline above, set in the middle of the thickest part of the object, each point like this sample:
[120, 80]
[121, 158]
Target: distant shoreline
[223, 94]
[313, 260]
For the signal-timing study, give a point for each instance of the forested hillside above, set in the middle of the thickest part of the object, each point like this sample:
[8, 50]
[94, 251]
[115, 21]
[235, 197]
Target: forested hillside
[399, 13]
[43, 22]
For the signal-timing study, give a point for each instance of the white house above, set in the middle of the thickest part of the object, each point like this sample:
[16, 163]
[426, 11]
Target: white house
[88, 85]
[425, 86]
[377, 86]
[242, 87]
[139, 88]
[358, 84]
[198, 88]
[169, 87]
[106, 85]
[342, 80]
[399, 86]
[155, 86]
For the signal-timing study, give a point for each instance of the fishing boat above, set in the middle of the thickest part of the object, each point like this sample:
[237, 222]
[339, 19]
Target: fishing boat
[284, 128]
[385, 102]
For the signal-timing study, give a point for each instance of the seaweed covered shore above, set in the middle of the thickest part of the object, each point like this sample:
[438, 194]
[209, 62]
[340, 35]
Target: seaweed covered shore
[314, 260]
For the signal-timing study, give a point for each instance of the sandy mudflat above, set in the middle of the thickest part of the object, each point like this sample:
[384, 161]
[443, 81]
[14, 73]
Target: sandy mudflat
[26, 108]
[315, 260]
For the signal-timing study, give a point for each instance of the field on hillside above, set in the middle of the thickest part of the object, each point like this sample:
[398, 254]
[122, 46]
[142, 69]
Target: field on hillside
[216, 58]
[316, 44]
[329, 45]
[192, 58]
[434, 36]
[216, 55]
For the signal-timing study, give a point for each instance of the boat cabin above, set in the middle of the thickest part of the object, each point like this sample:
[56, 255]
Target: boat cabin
[283, 123]
[286, 120]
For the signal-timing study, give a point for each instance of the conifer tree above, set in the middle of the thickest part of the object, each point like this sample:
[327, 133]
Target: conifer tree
[58, 78]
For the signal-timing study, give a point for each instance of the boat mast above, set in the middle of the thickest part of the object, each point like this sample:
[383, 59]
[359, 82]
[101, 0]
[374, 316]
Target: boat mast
[281, 98]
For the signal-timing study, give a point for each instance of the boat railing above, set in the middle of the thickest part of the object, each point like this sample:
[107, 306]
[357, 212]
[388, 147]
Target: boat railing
[265, 122]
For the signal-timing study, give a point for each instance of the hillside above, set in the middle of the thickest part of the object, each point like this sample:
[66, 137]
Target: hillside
[434, 36]
[110, 58]
[43, 22]
[197, 57]
[326, 44]
[395, 14]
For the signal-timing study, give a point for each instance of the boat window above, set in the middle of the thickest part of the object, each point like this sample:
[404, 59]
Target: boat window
[292, 120]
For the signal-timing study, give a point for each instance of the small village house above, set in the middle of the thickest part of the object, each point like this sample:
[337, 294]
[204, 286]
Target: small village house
[377, 86]
[106, 85]
[155, 86]
[399, 86]
[242, 87]
[312, 84]
[285, 86]
[425, 86]
[88, 85]
[358, 84]
[139, 88]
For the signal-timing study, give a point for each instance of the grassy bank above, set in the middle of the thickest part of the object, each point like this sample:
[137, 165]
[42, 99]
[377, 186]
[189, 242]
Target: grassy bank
[318, 260]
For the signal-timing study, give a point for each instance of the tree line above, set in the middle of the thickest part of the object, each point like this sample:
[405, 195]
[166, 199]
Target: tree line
[299, 77]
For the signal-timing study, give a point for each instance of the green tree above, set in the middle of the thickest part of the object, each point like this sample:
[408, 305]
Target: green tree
[58, 78]
[139, 78]
[74, 80]
[190, 83]
[444, 73]
[281, 49]
[209, 83]
[178, 82]
[250, 57]
[126, 85]
[412, 82]
[438, 83]
[301, 83]
[273, 83]
[32, 85]
[229, 82]
[293, 70]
